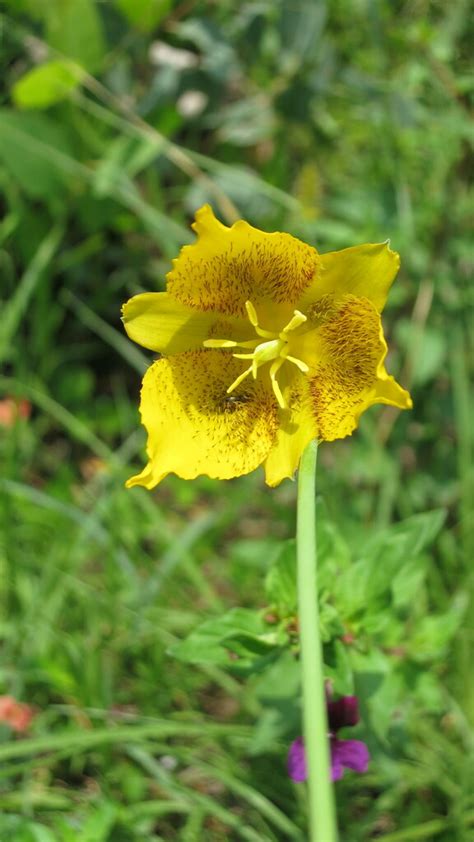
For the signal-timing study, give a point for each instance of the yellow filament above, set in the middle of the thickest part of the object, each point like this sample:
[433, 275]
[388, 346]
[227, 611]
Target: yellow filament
[238, 380]
[301, 365]
[229, 343]
[296, 320]
[274, 350]
[274, 368]
[253, 319]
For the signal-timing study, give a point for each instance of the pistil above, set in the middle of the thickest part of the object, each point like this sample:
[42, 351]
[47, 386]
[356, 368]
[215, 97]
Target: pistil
[275, 350]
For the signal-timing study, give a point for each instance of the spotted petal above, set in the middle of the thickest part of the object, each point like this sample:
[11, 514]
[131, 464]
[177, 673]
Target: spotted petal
[350, 373]
[226, 267]
[347, 375]
[194, 427]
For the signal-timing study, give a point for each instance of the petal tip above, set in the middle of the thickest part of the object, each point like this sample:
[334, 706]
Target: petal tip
[204, 218]
[124, 308]
[394, 255]
[146, 479]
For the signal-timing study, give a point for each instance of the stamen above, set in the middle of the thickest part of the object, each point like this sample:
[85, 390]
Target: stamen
[238, 380]
[219, 343]
[274, 368]
[251, 313]
[274, 350]
[296, 320]
[229, 343]
[253, 318]
[301, 365]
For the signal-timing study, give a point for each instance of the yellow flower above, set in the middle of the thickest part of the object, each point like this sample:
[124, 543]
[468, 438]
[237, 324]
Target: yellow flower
[266, 345]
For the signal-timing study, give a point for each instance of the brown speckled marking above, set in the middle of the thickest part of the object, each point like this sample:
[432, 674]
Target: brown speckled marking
[351, 351]
[184, 400]
[275, 267]
[320, 311]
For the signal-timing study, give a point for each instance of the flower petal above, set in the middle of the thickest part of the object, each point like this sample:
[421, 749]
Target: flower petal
[158, 321]
[296, 429]
[350, 375]
[343, 712]
[352, 754]
[194, 427]
[226, 267]
[366, 270]
[297, 761]
[337, 769]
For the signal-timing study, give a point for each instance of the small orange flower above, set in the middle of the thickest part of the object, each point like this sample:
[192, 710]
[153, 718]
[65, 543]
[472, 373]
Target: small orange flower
[13, 408]
[15, 714]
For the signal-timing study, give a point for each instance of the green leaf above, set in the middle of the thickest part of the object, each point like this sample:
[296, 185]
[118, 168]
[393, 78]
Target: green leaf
[281, 680]
[408, 581]
[428, 692]
[47, 84]
[236, 639]
[32, 148]
[407, 538]
[378, 688]
[245, 122]
[125, 155]
[248, 645]
[372, 575]
[280, 583]
[74, 28]
[277, 689]
[339, 669]
[99, 824]
[144, 14]
[330, 622]
[434, 633]
[334, 556]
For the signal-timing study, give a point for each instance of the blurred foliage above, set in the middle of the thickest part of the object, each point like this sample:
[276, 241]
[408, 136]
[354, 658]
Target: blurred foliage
[155, 634]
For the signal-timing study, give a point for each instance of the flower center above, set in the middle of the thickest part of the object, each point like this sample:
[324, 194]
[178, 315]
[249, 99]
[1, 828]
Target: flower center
[274, 349]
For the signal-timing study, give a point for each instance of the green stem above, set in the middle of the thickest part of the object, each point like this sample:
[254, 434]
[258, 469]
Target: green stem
[322, 818]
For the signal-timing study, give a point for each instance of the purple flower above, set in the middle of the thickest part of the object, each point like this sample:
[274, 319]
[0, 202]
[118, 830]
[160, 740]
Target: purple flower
[345, 754]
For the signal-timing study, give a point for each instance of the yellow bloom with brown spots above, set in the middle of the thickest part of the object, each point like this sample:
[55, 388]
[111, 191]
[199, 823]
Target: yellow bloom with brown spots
[266, 345]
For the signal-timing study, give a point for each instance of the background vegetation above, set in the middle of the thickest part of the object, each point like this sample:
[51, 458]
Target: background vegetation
[341, 122]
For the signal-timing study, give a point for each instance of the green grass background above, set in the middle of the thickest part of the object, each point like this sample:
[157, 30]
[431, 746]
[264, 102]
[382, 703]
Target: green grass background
[341, 122]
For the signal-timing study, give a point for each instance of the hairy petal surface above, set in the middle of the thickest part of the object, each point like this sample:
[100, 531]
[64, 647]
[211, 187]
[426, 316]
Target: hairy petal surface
[365, 271]
[226, 267]
[159, 322]
[194, 427]
[350, 375]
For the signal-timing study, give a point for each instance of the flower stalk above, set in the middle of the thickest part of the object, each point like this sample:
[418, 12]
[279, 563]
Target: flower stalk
[322, 817]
